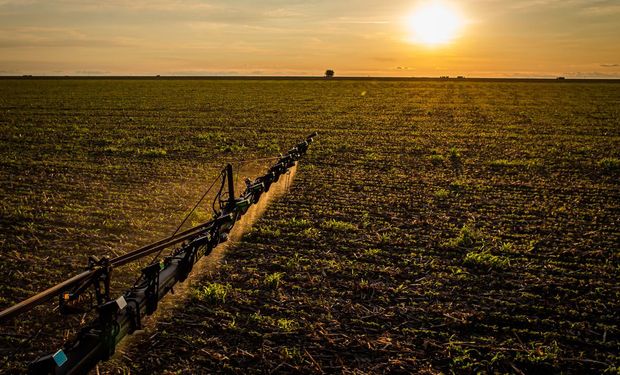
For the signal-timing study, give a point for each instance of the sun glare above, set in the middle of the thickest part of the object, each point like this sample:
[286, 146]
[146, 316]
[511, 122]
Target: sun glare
[434, 24]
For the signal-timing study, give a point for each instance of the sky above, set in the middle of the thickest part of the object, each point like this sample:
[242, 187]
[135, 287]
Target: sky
[494, 38]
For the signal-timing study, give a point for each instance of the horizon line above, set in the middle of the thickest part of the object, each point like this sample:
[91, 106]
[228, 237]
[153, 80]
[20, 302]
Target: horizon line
[348, 77]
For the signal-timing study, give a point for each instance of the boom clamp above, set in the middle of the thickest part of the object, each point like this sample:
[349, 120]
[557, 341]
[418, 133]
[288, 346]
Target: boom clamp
[70, 300]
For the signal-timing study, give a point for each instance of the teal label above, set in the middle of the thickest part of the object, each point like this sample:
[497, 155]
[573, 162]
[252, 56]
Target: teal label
[60, 358]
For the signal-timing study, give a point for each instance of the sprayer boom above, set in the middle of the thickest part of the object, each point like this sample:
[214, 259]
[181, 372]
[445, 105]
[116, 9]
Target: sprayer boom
[123, 315]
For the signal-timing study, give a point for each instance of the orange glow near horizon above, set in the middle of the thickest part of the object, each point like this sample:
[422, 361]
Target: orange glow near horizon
[401, 38]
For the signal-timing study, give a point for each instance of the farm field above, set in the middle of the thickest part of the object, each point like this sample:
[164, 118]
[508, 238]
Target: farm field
[435, 226]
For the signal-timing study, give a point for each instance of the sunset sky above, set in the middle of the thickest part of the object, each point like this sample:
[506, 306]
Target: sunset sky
[484, 38]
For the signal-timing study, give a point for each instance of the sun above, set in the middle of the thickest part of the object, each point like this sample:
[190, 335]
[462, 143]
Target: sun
[434, 24]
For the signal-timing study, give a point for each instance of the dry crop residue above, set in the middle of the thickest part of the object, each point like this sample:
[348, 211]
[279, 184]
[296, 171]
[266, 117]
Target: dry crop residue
[435, 226]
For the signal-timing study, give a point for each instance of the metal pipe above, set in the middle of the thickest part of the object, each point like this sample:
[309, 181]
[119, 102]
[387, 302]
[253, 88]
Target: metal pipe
[50, 293]
[44, 296]
[231, 186]
[119, 261]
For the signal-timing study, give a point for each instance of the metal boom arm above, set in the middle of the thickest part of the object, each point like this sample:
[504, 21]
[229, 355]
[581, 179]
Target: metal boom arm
[122, 316]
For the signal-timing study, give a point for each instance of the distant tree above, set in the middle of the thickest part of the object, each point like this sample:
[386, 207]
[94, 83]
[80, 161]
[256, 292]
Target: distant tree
[329, 73]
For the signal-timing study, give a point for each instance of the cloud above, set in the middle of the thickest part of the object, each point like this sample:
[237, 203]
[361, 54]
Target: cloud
[92, 72]
[148, 10]
[359, 20]
[610, 65]
[17, 2]
[526, 75]
[132, 5]
[10, 72]
[205, 72]
[282, 13]
[586, 7]
[384, 59]
[18, 37]
[592, 75]
[602, 9]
